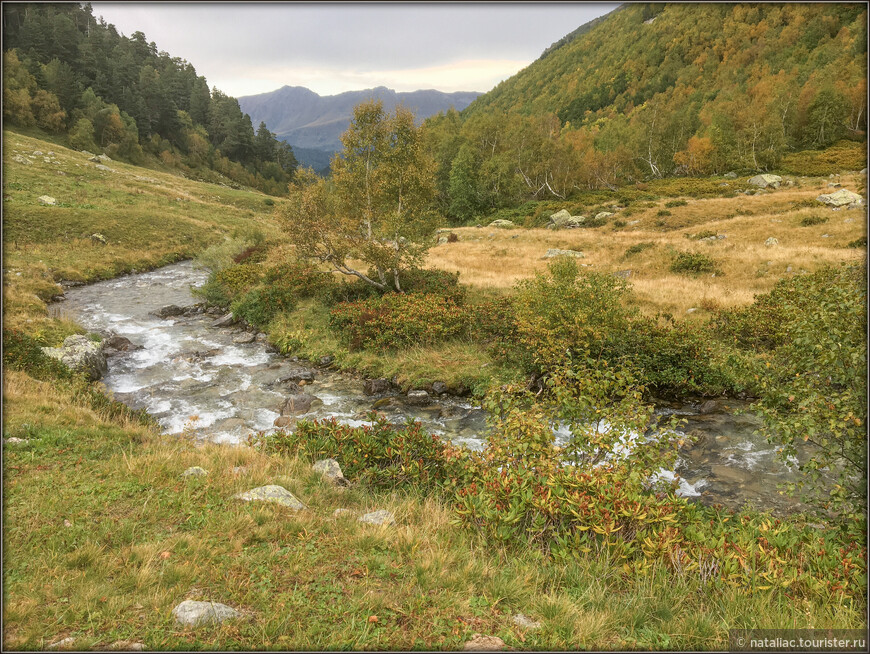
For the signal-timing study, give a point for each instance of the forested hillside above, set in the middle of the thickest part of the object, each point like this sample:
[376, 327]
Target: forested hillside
[654, 90]
[71, 74]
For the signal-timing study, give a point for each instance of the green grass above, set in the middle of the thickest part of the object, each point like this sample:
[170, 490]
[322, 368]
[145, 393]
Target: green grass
[141, 539]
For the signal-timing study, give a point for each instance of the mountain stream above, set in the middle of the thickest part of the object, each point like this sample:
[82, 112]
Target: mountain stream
[208, 382]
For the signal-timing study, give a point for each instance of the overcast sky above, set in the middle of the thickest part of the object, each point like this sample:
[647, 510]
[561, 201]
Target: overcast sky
[244, 49]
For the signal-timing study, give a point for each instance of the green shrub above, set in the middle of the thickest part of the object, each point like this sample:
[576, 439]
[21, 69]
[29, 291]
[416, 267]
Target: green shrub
[260, 305]
[701, 235]
[433, 282]
[815, 219]
[301, 280]
[619, 224]
[23, 352]
[675, 203]
[562, 315]
[693, 263]
[663, 213]
[860, 242]
[382, 455]
[399, 320]
[637, 248]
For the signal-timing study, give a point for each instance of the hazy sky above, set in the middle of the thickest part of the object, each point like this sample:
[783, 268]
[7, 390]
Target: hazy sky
[244, 49]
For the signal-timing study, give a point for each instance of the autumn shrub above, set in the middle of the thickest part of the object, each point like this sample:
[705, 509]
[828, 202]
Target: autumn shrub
[380, 455]
[433, 282]
[398, 320]
[693, 263]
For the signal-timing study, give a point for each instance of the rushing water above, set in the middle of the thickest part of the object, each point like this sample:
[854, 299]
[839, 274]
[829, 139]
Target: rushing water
[197, 378]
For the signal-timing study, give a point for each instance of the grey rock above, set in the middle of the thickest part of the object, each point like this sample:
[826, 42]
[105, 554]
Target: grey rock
[841, 198]
[730, 175]
[555, 252]
[47, 200]
[481, 643]
[22, 160]
[330, 469]
[439, 387]
[169, 311]
[376, 386]
[224, 321]
[339, 513]
[298, 404]
[625, 274]
[326, 361]
[271, 493]
[104, 168]
[195, 471]
[191, 613]
[380, 517]
[770, 242]
[244, 338]
[80, 353]
[418, 397]
[765, 181]
[284, 421]
[564, 220]
[14, 440]
[298, 374]
[603, 214]
[115, 343]
[502, 223]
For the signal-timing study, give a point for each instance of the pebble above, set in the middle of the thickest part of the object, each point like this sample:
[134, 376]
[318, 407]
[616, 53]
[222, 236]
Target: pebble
[62, 644]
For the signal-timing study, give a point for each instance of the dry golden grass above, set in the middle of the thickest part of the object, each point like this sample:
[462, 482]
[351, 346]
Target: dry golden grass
[491, 258]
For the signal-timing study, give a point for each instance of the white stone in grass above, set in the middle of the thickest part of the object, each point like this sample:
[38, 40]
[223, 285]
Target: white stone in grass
[331, 471]
[14, 440]
[339, 513]
[525, 622]
[271, 493]
[771, 242]
[62, 644]
[195, 471]
[191, 613]
[380, 517]
[127, 646]
[47, 200]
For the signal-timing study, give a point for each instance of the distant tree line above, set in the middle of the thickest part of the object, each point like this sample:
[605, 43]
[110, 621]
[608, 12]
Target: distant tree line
[68, 72]
[701, 89]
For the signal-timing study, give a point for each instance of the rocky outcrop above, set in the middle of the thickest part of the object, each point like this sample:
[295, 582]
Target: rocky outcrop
[82, 354]
[564, 220]
[842, 198]
[765, 181]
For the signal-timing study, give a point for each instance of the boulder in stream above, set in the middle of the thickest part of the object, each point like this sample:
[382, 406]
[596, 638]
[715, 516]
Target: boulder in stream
[298, 404]
[376, 386]
[224, 321]
[170, 311]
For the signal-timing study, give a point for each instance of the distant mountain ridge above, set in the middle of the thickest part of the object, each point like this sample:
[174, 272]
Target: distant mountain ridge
[311, 122]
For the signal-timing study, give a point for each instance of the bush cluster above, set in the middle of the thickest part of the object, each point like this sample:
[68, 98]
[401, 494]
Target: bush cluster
[399, 320]
[693, 263]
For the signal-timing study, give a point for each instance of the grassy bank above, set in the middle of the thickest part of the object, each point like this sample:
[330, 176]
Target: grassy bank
[98, 512]
[104, 536]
